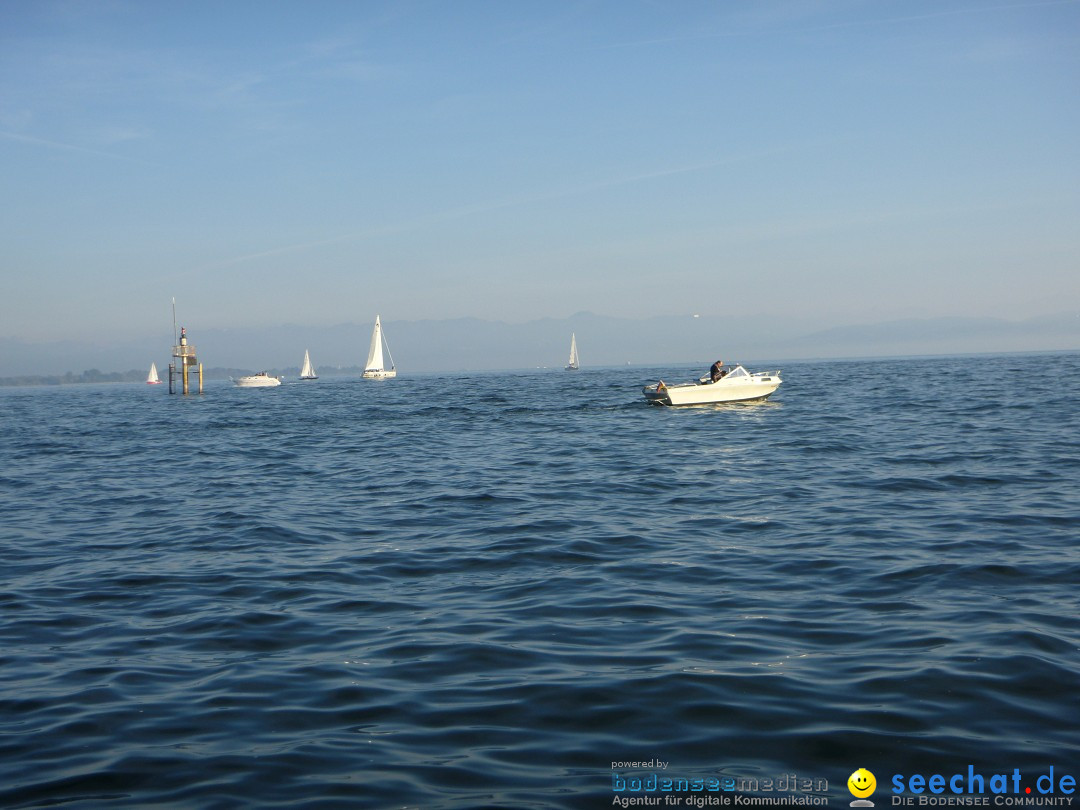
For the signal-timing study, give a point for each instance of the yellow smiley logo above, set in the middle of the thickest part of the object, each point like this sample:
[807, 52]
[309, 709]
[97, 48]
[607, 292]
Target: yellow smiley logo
[861, 783]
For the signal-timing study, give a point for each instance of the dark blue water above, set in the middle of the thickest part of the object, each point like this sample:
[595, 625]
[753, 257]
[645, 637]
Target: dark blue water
[481, 591]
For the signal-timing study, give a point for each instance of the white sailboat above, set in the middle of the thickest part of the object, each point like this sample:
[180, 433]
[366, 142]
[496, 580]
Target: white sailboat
[308, 371]
[574, 364]
[152, 378]
[375, 368]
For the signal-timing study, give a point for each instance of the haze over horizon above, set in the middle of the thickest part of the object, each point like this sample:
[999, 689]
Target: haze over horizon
[809, 165]
[473, 344]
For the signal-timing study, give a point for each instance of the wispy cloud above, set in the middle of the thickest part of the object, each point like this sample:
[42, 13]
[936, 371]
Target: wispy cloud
[68, 147]
[121, 134]
[302, 246]
[565, 18]
[490, 206]
[943, 13]
[611, 182]
[790, 26]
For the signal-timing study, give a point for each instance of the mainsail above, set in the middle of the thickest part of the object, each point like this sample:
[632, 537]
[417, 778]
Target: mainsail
[573, 365]
[374, 355]
[308, 371]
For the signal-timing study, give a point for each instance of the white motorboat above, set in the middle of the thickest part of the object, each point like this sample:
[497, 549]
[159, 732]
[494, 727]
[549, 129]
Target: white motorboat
[375, 368]
[574, 364]
[738, 385]
[308, 370]
[260, 380]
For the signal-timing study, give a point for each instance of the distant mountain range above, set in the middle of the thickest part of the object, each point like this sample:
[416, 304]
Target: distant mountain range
[952, 335]
[472, 344]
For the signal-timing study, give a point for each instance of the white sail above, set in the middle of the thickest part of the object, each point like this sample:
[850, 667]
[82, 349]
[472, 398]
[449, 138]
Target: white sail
[573, 365]
[308, 371]
[374, 355]
[152, 377]
[376, 366]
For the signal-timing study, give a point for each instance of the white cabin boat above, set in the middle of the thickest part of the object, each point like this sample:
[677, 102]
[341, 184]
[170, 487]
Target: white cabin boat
[260, 380]
[375, 367]
[574, 363]
[152, 377]
[738, 385]
[307, 372]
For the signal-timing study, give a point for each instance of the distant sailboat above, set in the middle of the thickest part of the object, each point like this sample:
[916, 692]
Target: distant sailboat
[152, 378]
[308, 371]
[573, 365]
[375, 368]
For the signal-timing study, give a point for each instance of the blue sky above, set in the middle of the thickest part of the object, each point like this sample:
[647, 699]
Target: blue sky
[826, 162]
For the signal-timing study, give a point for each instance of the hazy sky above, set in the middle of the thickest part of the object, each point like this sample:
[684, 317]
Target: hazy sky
[823, 161]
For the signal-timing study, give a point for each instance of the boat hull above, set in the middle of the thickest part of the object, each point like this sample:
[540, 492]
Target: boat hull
[748, 388]
[379, 374]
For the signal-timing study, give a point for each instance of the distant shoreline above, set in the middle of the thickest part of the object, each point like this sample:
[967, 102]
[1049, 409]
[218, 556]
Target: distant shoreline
[95, 376]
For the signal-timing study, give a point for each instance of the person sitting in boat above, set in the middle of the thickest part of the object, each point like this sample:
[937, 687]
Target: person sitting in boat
[717, 370]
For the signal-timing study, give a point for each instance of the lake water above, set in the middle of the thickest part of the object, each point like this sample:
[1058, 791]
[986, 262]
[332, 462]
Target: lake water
[495, 590]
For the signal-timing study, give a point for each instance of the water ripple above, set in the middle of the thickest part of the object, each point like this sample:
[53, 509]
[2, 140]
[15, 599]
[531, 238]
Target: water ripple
[346, 594]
